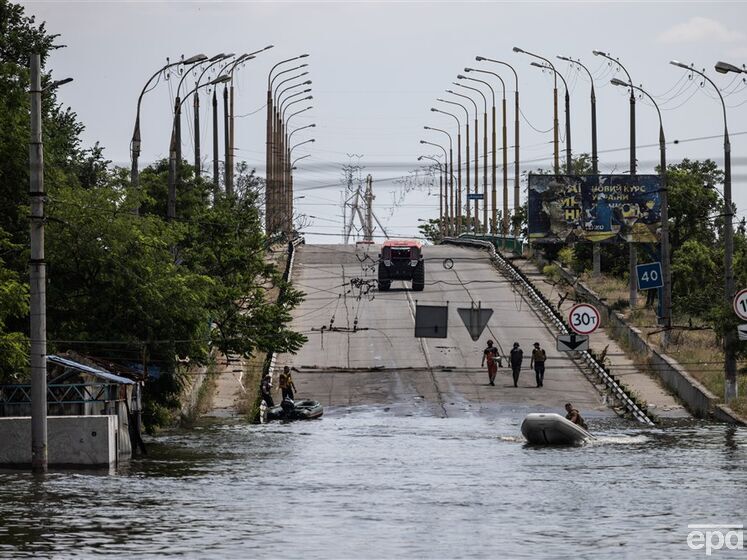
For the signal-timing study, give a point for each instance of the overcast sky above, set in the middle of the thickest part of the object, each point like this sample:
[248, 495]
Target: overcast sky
[377, 68]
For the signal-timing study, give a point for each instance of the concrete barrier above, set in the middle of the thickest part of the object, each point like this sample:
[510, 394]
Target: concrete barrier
[89, 441]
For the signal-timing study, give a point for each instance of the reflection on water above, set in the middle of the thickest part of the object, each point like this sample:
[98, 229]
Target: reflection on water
[369, 485]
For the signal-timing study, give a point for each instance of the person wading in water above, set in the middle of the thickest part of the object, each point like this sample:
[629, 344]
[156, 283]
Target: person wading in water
[575, 416]
[491, 355]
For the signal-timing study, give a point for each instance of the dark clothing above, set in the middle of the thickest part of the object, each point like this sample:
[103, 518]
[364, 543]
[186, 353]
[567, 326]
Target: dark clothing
[515, 358]
[266, 391]
[575, 417]
[539, 373]
[538, 358]
[287, 393]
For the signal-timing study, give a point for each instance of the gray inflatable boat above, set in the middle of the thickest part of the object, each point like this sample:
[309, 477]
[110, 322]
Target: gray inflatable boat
[541, 428]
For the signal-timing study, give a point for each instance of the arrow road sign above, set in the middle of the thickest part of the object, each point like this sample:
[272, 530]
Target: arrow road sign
[740, 304]
[742, 332]
[649, 276]
[475, 319]
[572, 342]
[583, 318]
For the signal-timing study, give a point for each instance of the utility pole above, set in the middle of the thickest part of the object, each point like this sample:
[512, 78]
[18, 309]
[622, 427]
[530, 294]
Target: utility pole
[216, 156]
[368, 231]
[196, 109]
[226, 139]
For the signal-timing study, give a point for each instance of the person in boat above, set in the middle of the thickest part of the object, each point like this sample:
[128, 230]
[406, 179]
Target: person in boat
[515, 358]
[575, 416]
[265, 389]
[538, 363]
[288, 407]
[491, 355]
[285, 380]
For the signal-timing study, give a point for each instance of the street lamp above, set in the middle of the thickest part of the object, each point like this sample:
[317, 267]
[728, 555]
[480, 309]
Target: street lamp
[196, 108]
[555, 126]
[287, 122]
[288, 201]
[596, 258]
[504, 150]
[477, 158]
[459, 168]
[517, 172]
[665, 247]
[633, 256]
[271, 148]
[454, 226]
[484, 150]
[441, 181]
[135, 143]
[449, 215]
[568, 159]
[171, 203]
[301, 128]
[730, 342]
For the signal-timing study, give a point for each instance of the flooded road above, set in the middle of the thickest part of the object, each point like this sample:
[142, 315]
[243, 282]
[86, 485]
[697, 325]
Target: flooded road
[362, 483]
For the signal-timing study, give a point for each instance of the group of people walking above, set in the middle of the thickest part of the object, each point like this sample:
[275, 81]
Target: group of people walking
[515, 359]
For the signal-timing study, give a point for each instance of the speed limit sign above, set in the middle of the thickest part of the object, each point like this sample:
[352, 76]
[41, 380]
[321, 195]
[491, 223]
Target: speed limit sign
[583, 318]
[740, 304]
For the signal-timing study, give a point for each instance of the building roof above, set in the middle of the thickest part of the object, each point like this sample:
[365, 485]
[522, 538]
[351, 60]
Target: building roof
[96, 372]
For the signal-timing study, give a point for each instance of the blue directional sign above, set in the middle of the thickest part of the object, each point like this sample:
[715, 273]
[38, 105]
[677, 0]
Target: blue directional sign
[649, 276]
[475, 196]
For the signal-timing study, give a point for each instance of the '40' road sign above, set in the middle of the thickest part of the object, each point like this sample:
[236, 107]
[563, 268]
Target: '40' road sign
[649, 276]
[583, 318]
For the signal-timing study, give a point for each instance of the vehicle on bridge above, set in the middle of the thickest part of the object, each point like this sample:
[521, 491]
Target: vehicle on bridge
[401, 260]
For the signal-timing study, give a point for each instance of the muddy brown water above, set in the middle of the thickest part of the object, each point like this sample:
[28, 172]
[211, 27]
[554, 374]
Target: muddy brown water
[362, 483]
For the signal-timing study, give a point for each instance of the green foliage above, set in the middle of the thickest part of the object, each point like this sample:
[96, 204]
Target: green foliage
[431, 230]
[567, 257]
[14, 307]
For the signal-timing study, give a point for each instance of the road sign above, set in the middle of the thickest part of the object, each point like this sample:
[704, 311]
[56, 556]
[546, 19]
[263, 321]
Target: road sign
[475, 319]
[583, 318]
[572, 342]
[740, 304]
[742, 332]
[475, 196]
[649, 276]
[431, 321]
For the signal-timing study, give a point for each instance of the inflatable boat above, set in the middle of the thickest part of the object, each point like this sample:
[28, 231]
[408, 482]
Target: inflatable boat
[295, 410]
[552, 429]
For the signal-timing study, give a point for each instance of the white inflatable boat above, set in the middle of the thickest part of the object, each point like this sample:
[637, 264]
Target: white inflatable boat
[552, 429]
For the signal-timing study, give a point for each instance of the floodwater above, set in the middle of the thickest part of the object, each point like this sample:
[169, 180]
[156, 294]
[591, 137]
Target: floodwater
[364, 484]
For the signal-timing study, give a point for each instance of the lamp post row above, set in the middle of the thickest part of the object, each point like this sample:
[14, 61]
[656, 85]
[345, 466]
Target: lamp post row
[447, 204]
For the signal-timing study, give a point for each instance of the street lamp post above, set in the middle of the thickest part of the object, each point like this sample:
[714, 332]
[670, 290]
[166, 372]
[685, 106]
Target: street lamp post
[596, 266]
[135, 143]
[270, 146]
[171, 202]
[476, 182]
[517, 172]
[459, 166]
[494, 194]
[196, 109]
[448, 217]
[633, 256]
[568, 158]
[484, 149]
[666, 268]
[441, 181]
[288, 202]
[454, 210]
[556, 153]
[283, 154]
[730, 339]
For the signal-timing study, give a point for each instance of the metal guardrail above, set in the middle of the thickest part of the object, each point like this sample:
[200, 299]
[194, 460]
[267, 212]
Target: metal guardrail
[556, 319]
[510, 243]
[63, 393]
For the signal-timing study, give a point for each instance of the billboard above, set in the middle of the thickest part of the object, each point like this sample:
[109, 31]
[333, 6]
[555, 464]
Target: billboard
[610, 208]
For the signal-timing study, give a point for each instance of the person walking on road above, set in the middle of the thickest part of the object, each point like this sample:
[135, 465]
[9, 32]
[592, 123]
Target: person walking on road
[491, 355]
[538, 362]
[285, 380]
[515, 358]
